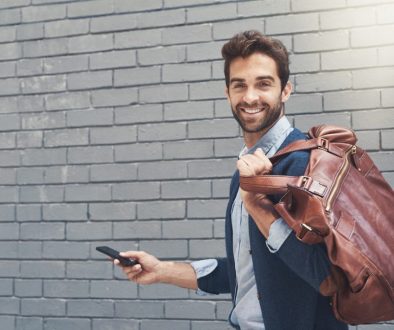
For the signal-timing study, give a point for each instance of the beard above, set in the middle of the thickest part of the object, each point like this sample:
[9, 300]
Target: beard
[271, 115]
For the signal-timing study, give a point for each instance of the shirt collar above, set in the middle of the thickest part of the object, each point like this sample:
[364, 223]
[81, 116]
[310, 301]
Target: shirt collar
[269, 139]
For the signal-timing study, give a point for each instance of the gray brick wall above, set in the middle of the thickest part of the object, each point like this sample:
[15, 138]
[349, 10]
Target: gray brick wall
[114, 129]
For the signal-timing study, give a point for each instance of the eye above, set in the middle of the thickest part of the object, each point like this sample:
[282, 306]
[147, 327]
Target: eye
[263, 84]
[238, 86]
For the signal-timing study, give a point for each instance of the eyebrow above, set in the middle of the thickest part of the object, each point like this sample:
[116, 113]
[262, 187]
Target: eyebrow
[257, 78]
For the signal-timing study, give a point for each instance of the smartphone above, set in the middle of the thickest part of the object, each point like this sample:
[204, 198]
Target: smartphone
[115, 255]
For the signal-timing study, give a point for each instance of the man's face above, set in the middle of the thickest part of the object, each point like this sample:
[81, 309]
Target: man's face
[255, 93]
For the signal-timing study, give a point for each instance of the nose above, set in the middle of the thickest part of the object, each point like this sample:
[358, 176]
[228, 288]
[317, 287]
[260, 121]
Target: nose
[251, 96]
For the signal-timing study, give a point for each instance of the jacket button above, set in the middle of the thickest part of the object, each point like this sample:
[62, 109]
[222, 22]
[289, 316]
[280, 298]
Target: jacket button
[250, 251]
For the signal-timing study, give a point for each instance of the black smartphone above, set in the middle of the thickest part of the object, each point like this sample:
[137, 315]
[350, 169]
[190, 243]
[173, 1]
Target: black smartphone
[115, 255]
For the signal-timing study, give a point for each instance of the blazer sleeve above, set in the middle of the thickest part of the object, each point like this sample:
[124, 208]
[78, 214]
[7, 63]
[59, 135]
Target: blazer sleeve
[310, 262]
[217, 281]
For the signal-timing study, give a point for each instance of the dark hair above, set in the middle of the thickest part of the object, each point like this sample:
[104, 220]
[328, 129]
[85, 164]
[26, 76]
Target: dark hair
[246, 43]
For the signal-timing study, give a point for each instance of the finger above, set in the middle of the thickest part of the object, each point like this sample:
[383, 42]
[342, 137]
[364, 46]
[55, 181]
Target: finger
[132, 254]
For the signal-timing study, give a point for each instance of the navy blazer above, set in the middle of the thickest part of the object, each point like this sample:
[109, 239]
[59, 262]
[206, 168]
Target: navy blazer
[287, 281]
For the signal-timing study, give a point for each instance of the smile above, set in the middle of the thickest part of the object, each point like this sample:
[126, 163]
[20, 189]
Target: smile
[252, 110]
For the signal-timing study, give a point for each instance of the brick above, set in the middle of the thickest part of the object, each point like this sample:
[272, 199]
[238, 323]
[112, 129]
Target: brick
[369, 140]
[94, 117]
[67, 101]
[113, 172]
[30, 103]
[93, 308]
[372, 119]
[138, 151]
[163, 93]
[103, 324]
[213, 128]
[9, 305]
[161, 18]
[113, 23]
[7, 69]
[347, 18]
[204, 51]
[43, 121]
[292, 23]
[326, 81]
[86, 155]
[186, 72]
[170, 249]
[330, 40]
[385, 55]
[8, 194]
[42, 231]
[113, 211]
[349, 59]
[31, 250]
[383, 160]
[66, 28]
[66, 174]
[188, 149]
[7, 140]
[8, 104]
[162, 170]
[43, 84]
[89, 270]
[9, 158]
[28, 288]
[43, 269]
[188, 110]
[161, 132]
[14, 3]
[114, 97]
[113, 59]
[190, 309]
[307, 5]
[69, 323]
[305, 122]
[187, 229]
[135, 191]
[89, 80]
[65, 250]
[207, 90]
[385, 14]
[137, 76]
[211, 13]
[211, 168]
[9, 86]
[139, 113]
[30, 175]
[9, 231]
[161, 210]
[139, 309]
[10, 51]
[350, 100]
[137, 230]
[7, 213]
[113, 135]
[207, 248]
[65, 212]
[66, 289]
[65, 64]
[35, 194]
[43, 157]
[10, 16]
[50, 307]
[136, 39]
[206, 208]
[372, 36]
[89, 8]
[371, 78]
[209, 325]
[67, 137]
[268, 8]
[90, 43]
[137, 5]
[8, 34]
[304, 103]
[225, 30]
[223, 309]
[388, 97]
[43, 48]
[304, 62]
[165, 325]
[113, 289]
[93, 192]
[163, 291]
[88, 232]
[43, 13]
[187, 34]
[30, 31]
[29, 67]
[25, 212]
[160, 55]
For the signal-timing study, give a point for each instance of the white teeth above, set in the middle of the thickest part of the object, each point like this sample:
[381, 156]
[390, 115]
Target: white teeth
[252, 110]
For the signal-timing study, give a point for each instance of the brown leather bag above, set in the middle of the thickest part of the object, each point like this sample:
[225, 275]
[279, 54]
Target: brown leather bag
[343, 201]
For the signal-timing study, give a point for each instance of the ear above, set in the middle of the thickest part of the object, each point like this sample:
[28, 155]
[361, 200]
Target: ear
[286, 91]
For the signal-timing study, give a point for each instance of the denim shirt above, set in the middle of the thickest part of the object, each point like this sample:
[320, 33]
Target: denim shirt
[247, 313]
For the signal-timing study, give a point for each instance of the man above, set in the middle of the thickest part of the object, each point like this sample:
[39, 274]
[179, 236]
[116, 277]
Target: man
[273, 278]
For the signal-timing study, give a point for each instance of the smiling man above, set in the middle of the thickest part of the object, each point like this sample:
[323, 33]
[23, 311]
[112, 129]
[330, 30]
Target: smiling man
[273, 278]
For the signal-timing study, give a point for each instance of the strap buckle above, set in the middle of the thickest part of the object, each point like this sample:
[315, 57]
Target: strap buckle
[323, 143]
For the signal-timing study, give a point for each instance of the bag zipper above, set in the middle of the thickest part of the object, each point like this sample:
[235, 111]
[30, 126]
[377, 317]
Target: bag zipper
[339, 178]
